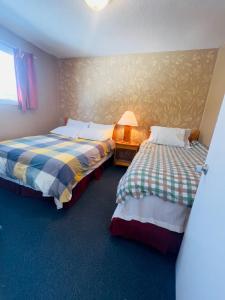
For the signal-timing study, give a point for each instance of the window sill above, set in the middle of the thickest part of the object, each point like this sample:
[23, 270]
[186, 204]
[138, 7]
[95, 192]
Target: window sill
[8, 102]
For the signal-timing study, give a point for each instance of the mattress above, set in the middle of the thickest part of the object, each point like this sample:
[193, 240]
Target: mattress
[20, 182]
[58, 204]
[154, 210]
[51, 163]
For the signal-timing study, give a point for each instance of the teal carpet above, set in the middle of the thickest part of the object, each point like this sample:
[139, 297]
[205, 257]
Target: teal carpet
[69, 254]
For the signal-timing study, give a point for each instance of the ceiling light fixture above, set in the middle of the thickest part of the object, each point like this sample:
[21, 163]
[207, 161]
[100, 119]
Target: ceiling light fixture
[97, 4]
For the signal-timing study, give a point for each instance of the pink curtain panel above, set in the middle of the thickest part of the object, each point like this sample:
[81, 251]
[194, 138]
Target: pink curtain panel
[25, 80]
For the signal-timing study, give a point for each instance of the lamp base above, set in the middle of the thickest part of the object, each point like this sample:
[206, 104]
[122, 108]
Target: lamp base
[127, 133]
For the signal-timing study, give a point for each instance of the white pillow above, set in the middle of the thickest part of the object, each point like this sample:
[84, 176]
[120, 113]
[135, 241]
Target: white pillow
[95, 134]
[102, 127]
[67, 131]
[78, 124]
[169, 136]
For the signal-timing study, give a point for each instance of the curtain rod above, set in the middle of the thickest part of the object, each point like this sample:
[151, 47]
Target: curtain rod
[10, 47]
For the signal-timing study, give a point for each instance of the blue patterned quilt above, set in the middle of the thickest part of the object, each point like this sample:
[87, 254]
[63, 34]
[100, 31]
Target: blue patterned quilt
[51, 163]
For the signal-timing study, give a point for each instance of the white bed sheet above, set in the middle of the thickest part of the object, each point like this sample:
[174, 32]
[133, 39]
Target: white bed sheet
[154, 210]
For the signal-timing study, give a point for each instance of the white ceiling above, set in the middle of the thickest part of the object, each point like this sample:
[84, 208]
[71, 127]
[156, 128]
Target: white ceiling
[68, 28]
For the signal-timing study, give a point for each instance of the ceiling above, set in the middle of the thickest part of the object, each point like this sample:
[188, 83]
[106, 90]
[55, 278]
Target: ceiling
[68, 28]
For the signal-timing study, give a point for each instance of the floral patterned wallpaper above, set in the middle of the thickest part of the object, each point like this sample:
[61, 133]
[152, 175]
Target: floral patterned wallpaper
[168, 89]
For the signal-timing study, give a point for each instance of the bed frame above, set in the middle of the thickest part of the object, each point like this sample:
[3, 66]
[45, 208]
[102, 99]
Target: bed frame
[162, 239]
[77, 190]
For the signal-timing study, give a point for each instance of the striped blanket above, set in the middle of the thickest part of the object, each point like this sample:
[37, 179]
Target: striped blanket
[50, 163]
[164, 171]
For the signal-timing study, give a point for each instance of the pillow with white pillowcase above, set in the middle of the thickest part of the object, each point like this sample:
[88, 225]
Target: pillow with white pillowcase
[78, 124]
[94, 134]
[67, 131]
[101, 126]
[170, 136]
[107, 128]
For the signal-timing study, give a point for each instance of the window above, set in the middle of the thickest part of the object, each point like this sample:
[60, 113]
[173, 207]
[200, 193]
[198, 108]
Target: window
[8, 91]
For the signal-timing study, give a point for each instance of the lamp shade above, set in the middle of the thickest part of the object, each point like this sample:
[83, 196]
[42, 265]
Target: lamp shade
[128, 118]
[97, 4]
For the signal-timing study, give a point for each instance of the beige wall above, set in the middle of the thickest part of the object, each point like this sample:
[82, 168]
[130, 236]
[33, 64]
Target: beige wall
[14, 123]
[161, 88]
[214, 99]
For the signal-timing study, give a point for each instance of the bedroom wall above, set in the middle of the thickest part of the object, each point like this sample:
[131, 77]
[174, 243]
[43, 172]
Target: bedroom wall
[14, 123]
[214, 99]
[167, 88]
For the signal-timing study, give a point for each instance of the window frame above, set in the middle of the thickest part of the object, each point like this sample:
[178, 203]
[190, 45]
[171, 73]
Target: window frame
[10, 102]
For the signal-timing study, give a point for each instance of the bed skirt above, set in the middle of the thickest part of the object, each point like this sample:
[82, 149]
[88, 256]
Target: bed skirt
[164, 240]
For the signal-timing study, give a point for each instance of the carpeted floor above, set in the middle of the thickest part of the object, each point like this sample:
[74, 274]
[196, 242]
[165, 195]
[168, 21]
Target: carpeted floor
[69, 254]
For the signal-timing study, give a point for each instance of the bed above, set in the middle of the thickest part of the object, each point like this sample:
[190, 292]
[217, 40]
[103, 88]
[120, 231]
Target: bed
[156, 194]
[51, 165]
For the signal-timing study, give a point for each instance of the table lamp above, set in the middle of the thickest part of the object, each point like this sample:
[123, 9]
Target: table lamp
[128, 120]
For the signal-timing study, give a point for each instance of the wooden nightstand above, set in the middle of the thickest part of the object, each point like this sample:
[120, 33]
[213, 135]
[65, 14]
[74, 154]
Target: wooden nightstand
[124, 153]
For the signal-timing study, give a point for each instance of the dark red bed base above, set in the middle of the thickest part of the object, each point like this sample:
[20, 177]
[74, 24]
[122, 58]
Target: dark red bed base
[77, 191]
[164, 240]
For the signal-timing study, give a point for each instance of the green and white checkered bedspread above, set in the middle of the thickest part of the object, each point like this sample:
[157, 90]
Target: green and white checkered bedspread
[164, 171]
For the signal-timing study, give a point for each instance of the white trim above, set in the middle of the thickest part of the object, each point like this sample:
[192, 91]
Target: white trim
[10, 102]
[5, 47]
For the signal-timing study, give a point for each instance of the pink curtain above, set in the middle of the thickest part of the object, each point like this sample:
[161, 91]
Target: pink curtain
[25, 80]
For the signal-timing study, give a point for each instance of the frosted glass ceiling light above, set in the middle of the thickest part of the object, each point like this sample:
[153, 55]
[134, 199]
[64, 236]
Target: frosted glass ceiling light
[97, 4]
